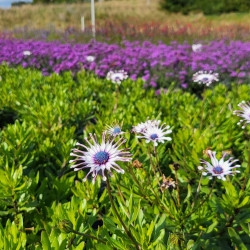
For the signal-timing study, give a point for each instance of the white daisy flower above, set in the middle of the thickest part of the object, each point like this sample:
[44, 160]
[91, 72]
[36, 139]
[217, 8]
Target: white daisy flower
[206, 78]
[197, 47]
[156, 134]
[90, 58]
[26, 53]
[245, 113]
[114, 130]
[142, 127]
[219, 168]
[100, 157]
[117, 76]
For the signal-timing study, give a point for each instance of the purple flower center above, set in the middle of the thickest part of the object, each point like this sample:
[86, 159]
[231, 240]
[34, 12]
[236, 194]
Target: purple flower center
[117, 130]
[218, 170]
[205, 79]
[101, 157]
[153, 136]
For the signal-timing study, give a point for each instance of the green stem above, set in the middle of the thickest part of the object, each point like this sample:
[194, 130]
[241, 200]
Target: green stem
[157, 160]
[197, 192]
[203, 106]
[211, 189]
[178, 188]
[89, 236]
[247, 170]
[117, 97]
[152, 165]
[117, 214]
[158, 198]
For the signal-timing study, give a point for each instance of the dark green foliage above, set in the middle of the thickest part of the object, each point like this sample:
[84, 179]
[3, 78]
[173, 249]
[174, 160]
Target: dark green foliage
[207, 7]
[38, 190]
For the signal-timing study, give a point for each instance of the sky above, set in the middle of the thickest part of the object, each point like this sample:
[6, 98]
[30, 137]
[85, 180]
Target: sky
[7, 3]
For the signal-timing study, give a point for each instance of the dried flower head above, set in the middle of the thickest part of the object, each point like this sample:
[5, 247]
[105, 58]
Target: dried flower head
[219, 168]
[244, 113]
[167, 183]
[205, 151]
[117, 76]
[206, 78]
[137, 164]
[100, 157]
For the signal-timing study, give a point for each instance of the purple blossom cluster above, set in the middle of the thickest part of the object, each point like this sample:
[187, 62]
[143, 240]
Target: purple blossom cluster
[157, 64]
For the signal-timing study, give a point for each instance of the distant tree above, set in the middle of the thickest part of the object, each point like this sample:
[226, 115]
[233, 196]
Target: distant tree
[208, 7]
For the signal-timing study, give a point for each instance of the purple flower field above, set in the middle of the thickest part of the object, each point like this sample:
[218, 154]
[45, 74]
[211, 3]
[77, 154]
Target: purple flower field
[158, 65]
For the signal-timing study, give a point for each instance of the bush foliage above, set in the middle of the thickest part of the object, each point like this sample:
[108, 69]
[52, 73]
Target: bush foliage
[207, 7]
[43, 117]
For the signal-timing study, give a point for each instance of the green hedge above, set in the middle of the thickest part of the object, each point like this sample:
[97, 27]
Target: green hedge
[43, 117]
[207, 7]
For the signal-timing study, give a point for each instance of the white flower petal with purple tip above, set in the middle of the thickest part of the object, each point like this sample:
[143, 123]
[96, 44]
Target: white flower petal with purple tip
[219, 168]
[206, 78]
[155, 133]
[100, 157]
[142, 127]
[117, 76]
[244, 113]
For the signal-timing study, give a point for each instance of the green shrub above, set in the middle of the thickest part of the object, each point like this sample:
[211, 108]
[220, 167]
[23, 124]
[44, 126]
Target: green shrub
[39, 191]
[207, 7]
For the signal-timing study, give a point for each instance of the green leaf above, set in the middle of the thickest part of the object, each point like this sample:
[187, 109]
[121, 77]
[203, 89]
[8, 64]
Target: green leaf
[45, 241]
[235, 238]
[211, 227]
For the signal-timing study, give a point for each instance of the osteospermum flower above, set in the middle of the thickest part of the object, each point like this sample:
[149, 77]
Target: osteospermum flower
[219, 168]
[142, 127]
[206, 78]
[114, 130]
[197, 47]
[156, 134]
[245, 113]
[117, 76]
[90, 58]
[100, 157]
[26, 53]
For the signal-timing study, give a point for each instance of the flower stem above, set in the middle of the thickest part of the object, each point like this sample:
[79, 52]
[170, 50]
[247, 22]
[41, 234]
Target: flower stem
[151, 163]
[198, 190]
[211, 189]
[247, 170]
[157, 160]
[117, 97]
[157, 197]
[178, 188]
[89, 236]
[203, 106]
[117, 214]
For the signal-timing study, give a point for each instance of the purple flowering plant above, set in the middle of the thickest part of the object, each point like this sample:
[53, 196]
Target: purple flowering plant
[158, 65]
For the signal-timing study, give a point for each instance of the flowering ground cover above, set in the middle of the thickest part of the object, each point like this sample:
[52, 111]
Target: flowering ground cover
[159, 65]
[160, 195]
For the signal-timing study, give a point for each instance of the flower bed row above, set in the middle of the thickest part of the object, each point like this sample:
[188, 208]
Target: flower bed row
[158, 65]
[162, 195]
